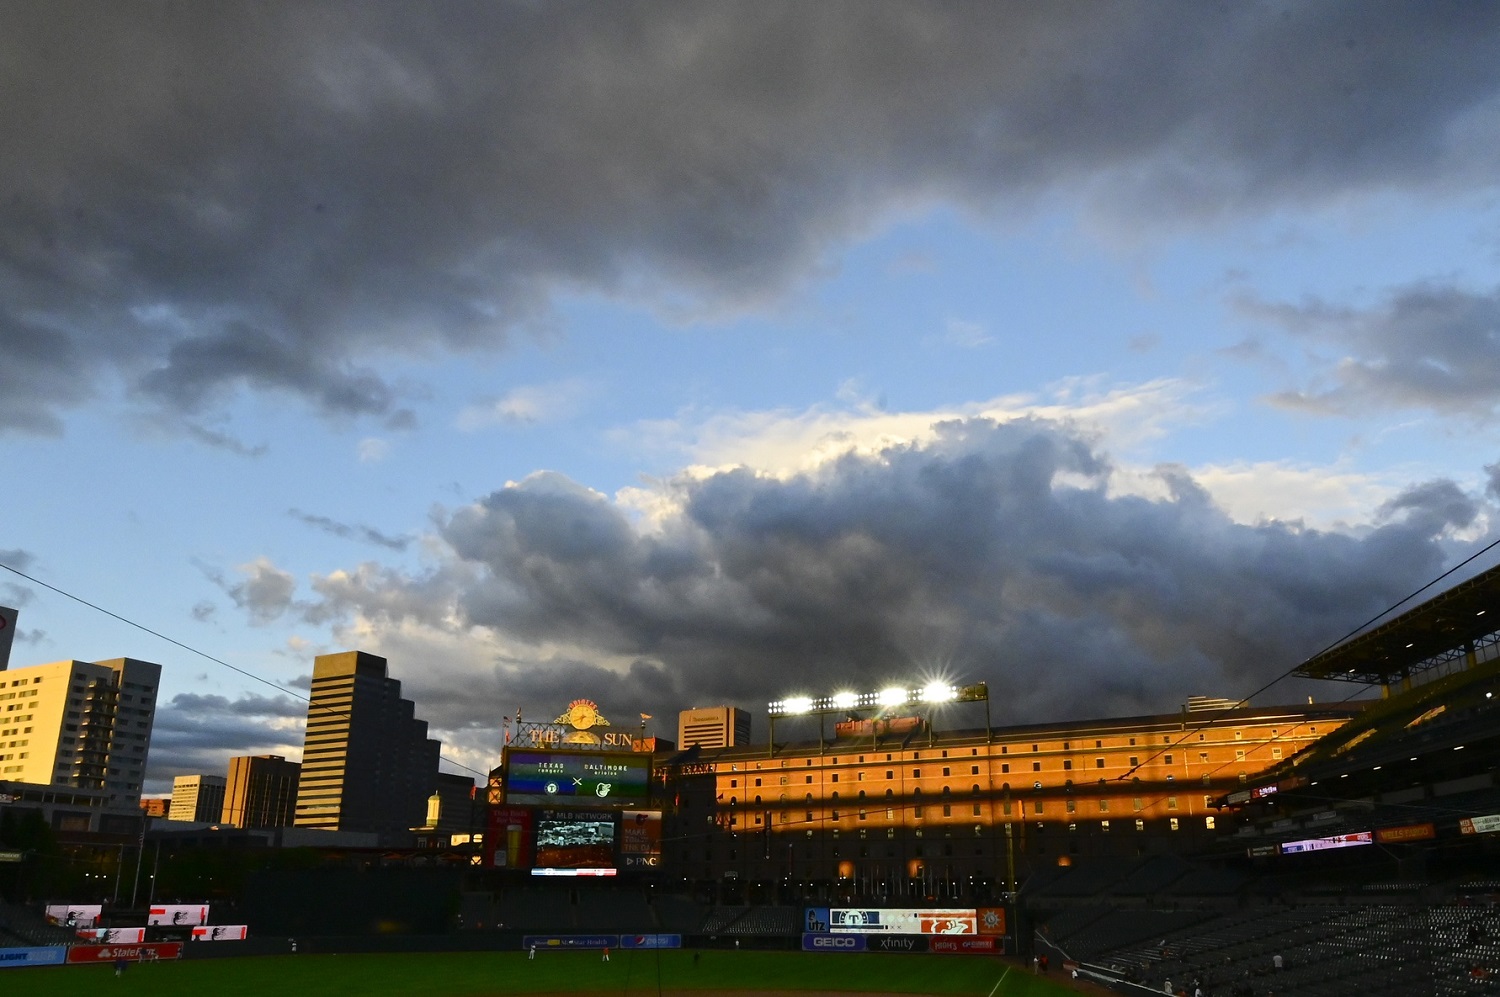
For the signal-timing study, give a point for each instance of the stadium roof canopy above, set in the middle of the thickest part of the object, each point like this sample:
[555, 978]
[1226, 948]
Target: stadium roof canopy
[1442, 631]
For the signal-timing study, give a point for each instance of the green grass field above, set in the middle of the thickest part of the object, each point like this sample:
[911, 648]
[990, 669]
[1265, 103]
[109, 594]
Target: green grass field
[464, 974]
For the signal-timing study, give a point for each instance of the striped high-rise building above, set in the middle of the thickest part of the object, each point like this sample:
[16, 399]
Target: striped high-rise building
[367, 762]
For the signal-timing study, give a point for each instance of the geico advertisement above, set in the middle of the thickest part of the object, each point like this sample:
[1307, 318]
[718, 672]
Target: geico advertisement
[813, 942]
[180, 915]
[896, 920]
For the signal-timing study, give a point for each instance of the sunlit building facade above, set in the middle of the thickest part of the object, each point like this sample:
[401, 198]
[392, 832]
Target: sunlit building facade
[965, 812]
[80, 724]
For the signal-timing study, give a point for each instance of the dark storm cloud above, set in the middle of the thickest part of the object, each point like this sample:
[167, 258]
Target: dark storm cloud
[349, 532]
[198, 199]
[198, 734]
[1429, 346]
[994, 552]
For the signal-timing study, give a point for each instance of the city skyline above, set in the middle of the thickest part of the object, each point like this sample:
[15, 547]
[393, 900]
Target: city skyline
[756, 352]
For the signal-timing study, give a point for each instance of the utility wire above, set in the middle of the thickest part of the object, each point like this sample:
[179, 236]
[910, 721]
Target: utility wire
[204, 654]
[1290, 671]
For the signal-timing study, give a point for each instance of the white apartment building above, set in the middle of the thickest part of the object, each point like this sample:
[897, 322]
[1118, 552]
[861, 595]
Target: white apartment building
[80, 724]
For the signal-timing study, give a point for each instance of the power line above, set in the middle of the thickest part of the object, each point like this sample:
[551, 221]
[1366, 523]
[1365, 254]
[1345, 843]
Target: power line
[1290, 671]
[205, 655]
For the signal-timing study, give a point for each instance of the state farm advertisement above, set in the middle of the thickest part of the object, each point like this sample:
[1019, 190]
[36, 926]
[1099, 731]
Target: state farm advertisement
[220, 933]
[178, 915]
[132, 953]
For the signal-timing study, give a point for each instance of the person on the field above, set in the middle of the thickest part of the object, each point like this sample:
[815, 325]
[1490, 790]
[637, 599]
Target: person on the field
[606, 953]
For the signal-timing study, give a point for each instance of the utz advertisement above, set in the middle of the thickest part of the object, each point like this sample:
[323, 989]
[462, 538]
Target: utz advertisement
[220, 933]
[178, 915]
[114, 936]
[73, 915]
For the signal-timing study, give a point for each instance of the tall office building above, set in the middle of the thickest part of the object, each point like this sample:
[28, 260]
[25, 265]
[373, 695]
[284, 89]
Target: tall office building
[7, 635]
[367, 762]
[262, 791]
[79, 724]
[197, 798]
[713, 727]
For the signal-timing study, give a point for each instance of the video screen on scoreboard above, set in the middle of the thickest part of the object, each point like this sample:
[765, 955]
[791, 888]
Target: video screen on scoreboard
[618, 779]
[575, 843]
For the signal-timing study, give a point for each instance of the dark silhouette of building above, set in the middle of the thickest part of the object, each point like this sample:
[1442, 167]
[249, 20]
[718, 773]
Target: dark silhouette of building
[262, 791]
[367, 762]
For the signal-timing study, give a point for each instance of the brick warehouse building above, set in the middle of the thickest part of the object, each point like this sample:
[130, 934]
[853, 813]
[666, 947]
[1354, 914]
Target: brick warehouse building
[963, 813]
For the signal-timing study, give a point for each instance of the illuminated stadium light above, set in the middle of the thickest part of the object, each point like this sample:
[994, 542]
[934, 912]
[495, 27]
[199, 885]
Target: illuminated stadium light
[938, 692]
[891, 697]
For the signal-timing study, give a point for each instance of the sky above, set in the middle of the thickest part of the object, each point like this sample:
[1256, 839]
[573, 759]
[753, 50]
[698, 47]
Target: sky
[720, 352]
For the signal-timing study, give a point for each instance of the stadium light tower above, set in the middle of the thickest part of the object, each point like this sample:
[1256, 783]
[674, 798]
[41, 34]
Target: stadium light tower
[934, 693]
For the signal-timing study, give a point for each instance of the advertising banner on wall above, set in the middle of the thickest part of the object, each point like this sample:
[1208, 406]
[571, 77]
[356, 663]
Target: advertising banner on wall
[893, 943]
[178, 915]
[133, 953]
[53, 955]
[640, 840]
[992, 920]
[114, 936]
[1480, 825]
[1406, 832]
[816, 942]
[73, 915]
[650, 941]
[220, 933]
[570, 941]
[965, 946]
[508, 845]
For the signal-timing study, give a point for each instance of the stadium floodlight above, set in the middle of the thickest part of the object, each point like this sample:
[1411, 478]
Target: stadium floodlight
[938, 692]
[894, 696]
[845, 700]
[797, 704]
